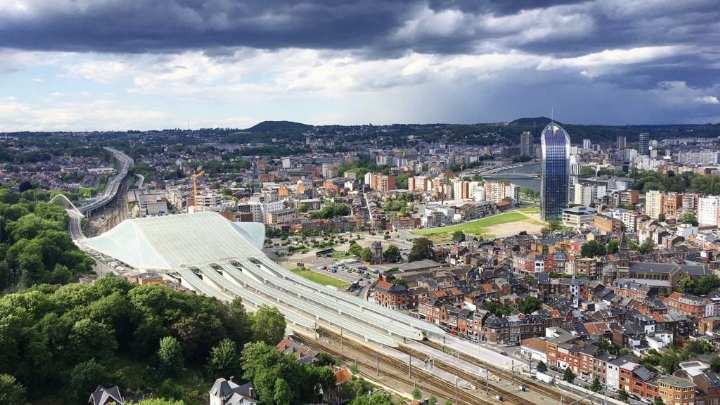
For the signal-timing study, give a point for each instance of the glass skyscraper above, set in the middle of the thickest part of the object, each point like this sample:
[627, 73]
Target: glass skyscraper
[555, 177]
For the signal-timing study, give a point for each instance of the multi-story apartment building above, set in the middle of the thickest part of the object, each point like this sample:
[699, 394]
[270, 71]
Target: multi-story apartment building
[461, 189]
[526, 144]
[672, 204]
[708, 209]
[654, 204]
[690, 202]
[496, 191]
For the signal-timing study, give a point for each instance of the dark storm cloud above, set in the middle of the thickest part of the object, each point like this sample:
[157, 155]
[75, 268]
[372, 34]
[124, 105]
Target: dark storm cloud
[561, 30]
[173, 25]
[367, 25]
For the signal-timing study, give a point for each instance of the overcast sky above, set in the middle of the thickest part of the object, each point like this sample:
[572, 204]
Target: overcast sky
[144, 64]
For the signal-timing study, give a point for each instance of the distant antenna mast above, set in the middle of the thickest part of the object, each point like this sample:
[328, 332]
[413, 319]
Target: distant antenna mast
[552, 114]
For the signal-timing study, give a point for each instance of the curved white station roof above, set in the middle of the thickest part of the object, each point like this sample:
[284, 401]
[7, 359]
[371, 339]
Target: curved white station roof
[223, 259]
[164, 243]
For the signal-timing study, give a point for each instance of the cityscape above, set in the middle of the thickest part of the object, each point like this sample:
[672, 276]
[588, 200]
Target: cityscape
[371, 203]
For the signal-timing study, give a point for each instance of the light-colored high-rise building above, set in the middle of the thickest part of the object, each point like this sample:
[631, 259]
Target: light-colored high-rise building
[654, 204]
[555, 177]
[708, 210]
[461, 190]
[496, 190]
[706, 157]
[329, 170]
[419, 183]
[526, 144]
[584, 194]
[587, 144]
[621, 141]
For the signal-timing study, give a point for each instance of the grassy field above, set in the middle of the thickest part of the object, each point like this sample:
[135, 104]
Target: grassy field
[479, 227]
[321, 278]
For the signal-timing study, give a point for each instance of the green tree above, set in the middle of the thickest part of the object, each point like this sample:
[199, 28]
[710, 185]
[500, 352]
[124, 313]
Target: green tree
[554, 225]
[158, 401]
[592, 249]
[240, 323]
[282, 394]
[392, 254]
[224, 359]
[623, 395]
[170, 356]
[613, 247]
[529, 305]
[422, 249]
[89, 338]
[85, 377]
[11, 391]
[432, 400]
[596, 386]
[658, 401]
[355, 249]
[541, 367]
[458, 236]
[376, 398]
[689, 218]
[568, 375]
[366, 255]
[715, 364]
[647, 246]
[268, 325]
[416, 394]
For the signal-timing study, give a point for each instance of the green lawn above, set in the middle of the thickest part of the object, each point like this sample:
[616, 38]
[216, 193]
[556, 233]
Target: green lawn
[478, 226]
[339, 254]
[321, 278]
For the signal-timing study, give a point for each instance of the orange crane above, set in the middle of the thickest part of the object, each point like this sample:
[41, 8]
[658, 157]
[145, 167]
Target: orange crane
[193, 196]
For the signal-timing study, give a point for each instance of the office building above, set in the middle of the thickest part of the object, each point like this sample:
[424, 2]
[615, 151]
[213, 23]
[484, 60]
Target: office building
[587, 144]
[576, 217]
[555, 177]
[526, 145]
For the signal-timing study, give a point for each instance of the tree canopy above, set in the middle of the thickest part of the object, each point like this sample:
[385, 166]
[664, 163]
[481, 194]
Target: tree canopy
[72, 336]
[392, 254]
[280, 379]
[593, 249]
[422, 248]
[34, 244]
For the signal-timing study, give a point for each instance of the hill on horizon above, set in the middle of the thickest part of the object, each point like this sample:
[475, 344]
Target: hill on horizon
[279, 127]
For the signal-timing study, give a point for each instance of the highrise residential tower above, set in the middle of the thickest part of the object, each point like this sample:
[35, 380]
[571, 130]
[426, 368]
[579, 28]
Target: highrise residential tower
[644, 144]
[526, 144]
[621, 141]
[555, 147]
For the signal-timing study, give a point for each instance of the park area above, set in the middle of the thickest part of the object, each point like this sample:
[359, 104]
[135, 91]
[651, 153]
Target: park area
[321, 278]
[495, 226]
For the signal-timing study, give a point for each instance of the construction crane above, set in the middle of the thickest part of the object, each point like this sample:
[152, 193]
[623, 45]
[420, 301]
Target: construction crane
[193, 195]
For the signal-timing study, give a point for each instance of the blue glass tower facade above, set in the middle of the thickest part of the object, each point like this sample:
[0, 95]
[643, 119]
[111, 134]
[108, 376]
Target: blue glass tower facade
[555, 178]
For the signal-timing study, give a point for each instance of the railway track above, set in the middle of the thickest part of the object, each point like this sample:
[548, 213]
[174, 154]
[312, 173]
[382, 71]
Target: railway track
[532, 385]
[479, 381]
[373, 364]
